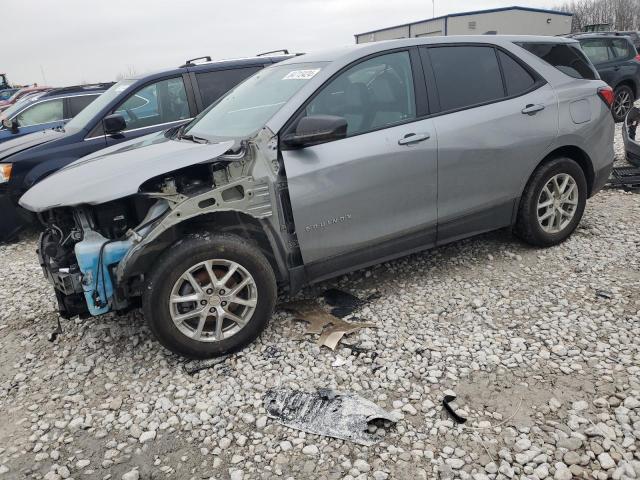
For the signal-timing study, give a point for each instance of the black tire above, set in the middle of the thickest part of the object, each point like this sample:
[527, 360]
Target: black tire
[621, 93]
[177, 260]
[527, 226]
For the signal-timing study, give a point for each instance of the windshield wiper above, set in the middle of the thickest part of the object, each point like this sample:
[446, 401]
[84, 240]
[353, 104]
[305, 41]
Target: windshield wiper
[193, 138]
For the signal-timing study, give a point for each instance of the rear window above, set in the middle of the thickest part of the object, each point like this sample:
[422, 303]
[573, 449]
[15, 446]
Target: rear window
[454, 66]
[516, 78]
[215, 84]
[621, 48]
[566, 57]
[597, 49]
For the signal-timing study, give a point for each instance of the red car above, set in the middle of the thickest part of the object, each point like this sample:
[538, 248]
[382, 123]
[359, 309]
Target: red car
[4, 104]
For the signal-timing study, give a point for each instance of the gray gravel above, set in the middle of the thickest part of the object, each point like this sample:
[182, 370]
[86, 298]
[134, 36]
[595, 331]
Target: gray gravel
[546, 370]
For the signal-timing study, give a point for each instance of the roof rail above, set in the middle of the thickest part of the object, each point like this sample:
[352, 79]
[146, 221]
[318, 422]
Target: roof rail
[283, 50]
[191, 62]
[79, 88]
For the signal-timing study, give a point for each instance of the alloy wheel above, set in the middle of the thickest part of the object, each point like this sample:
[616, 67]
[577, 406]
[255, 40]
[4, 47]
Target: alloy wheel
[622, 104]
[213, 300]
[557, 203]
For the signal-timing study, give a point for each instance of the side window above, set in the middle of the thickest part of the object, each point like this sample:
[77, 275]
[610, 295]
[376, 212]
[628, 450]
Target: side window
[155, 104]
[466, 76]
[213, 85]
[45, 112]
[620, 48]
[596, 49]
[516, 78]
[77, 104]
[373, 94]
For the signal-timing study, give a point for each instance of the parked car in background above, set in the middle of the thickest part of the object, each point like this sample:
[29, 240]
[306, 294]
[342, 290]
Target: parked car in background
[7, 93]
[320, 165]
[4, 104]
[48, 109]
[618, 64]
[633, 35]
[129, 109]
[631, 136]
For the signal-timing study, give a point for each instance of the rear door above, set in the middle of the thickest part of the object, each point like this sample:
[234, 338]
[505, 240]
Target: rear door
[495, 119]
[76, 103]
[600, 52]
[371, 195]
[210, 86]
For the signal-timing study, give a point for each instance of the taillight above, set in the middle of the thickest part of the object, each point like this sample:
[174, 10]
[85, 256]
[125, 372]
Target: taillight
[637, 57]
[606, 94]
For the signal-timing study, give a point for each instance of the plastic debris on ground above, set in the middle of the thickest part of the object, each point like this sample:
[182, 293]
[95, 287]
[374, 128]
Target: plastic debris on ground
[329, 413]
[446, 403]
[344, 303]
[194, 366]
[330, 328]
[604, 294]
[627, 178]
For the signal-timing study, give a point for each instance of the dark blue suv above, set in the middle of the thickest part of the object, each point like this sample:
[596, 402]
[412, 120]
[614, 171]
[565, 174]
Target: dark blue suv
[129, 109]
[48, 109]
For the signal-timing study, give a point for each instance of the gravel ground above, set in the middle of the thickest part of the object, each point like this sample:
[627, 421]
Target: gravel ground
[546, 369]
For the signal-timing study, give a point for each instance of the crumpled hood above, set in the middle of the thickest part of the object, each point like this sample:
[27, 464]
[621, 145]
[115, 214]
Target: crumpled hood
[117, 171]
[24, 142]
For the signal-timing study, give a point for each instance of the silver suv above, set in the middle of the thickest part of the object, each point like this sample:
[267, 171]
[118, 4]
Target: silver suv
[321, 165]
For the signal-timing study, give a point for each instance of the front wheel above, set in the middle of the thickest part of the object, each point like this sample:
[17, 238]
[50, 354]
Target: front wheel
[552, 203]
[622, 102]
[209, 295]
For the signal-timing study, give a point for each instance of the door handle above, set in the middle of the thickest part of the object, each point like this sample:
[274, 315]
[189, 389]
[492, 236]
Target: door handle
[532, 109]
[411, 138]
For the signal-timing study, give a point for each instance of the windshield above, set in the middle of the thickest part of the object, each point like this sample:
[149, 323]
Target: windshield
[83, 118]
[246, 108]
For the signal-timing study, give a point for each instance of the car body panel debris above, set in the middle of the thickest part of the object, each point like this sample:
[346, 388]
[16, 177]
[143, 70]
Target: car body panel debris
[446, 403]
[330, 328]
[326, 412]
[345, 303]
[194, 366]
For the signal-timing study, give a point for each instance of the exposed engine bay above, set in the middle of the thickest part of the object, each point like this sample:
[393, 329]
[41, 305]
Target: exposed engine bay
[92, 253]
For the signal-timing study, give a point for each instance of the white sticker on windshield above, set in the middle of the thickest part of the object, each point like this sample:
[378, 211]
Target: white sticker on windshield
[301, 74]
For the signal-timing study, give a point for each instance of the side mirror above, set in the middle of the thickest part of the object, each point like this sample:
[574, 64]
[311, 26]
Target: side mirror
[11, 125]
[315, 129]
[114, 124]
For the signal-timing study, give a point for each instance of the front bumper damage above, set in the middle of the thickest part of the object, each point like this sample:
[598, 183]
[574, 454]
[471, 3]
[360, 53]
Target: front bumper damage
[94, 273]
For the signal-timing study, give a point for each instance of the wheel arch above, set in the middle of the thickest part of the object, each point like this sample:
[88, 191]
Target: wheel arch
[256, 231]
[629, 82]
[574, 153]
[568, 151]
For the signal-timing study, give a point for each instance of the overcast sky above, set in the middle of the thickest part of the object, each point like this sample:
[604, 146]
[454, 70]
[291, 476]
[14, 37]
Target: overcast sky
[74, 41]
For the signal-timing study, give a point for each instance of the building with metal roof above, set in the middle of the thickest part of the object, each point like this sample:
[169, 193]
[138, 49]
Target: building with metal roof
[504, 21]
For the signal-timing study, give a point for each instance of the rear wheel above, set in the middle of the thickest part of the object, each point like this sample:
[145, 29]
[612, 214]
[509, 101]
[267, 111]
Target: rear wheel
[209, 295]
[552, 203]
[622, 102]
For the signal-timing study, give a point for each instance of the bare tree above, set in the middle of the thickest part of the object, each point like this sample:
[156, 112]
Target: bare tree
[619, 14]
[128, 73]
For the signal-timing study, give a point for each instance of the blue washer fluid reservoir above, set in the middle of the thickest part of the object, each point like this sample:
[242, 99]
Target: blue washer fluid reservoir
[88, 254]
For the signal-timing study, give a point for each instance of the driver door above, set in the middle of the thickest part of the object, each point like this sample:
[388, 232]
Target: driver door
[154, 107]
[371, 195]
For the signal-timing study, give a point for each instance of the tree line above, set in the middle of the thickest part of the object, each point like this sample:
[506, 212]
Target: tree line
[620, 14]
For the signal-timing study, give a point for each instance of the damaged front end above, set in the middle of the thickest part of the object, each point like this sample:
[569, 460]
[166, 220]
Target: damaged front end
[98, 244]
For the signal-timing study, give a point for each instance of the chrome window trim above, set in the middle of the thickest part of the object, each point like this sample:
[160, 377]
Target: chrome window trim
[143, 128]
